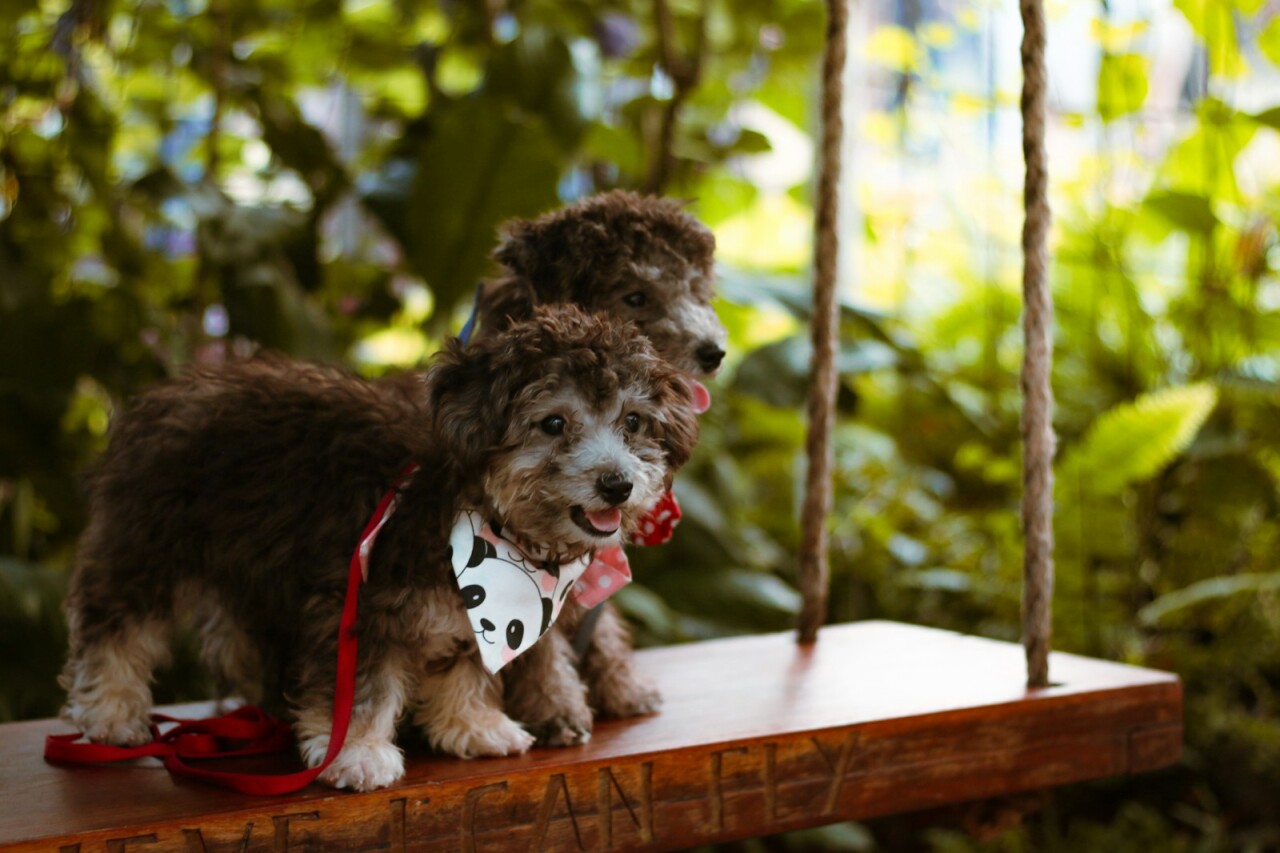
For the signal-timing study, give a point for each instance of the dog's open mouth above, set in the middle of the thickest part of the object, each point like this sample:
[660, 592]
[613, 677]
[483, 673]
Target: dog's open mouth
[598, 522]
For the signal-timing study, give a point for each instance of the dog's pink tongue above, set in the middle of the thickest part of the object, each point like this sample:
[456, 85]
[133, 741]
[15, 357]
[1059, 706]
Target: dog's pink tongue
[605, 520]
[701, 397]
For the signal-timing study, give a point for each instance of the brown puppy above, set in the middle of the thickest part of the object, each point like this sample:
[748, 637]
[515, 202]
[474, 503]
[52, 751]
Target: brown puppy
[639, 258]
[240, 492]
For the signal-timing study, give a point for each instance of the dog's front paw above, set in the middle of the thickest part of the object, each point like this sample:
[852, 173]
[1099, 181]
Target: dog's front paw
[491, 733]
[626, 697]
[117, 726]
[562, 730]
[359, 766]
[121, 733]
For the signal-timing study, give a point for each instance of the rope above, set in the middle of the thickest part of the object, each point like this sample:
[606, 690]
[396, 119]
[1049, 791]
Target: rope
[1037, 393]
[814, 568]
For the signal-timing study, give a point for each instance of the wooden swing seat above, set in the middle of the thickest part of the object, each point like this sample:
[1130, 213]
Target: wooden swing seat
[757, 735]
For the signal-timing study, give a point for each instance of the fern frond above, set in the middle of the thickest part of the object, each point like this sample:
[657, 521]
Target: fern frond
[1134, 441]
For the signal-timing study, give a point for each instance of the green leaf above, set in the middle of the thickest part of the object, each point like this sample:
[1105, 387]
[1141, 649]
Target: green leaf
[536, 72]
[1203, 162]
[1201, 592]
[1185, 211]
[641, 605]
[1134, 441]
[480, 167]
[731, 596]
[611, 144]
[778, 373]
[1214, 22]
[1269, 41]
[1269, 118]
[1122, 84]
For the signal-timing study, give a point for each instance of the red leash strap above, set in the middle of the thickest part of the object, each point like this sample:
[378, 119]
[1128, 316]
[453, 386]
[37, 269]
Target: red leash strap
[248, 730]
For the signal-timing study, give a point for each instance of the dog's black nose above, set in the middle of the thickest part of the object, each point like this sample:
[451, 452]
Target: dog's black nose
[709, 356]
[614, 487]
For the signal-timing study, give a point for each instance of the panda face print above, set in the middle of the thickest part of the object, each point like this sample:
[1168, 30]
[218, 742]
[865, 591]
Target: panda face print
[509, 599]
[508, 619]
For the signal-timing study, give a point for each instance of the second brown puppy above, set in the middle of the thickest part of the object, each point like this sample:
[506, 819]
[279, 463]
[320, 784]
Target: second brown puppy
[638, 258]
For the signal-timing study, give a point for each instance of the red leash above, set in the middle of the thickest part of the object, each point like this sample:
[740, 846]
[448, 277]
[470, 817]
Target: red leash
[248, 730]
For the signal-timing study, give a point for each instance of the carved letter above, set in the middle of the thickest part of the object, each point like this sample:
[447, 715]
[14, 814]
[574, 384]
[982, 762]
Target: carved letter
[716, 794]
[606, 782]
[395, 826]
[469, 813]
[282, 827]
[555, 785]
[195, 839]
[839, 767]
[117, 845]
[771, 781]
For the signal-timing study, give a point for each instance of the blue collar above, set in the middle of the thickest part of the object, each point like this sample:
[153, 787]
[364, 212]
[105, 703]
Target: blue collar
[469, 327]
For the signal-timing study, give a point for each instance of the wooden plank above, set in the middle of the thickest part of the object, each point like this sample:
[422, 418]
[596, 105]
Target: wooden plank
[757, 735]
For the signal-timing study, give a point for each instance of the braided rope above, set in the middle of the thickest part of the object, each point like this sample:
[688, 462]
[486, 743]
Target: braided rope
[814, 569]
[1037, 392]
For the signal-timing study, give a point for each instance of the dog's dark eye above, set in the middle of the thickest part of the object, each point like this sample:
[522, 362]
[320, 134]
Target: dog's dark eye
[633, 422]
[636, 300]
[515, 633]
[552, 425]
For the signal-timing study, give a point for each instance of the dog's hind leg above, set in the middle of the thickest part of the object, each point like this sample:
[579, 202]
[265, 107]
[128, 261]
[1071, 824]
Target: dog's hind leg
[544, 692]
[608, 667]
[120, 616]
[460, 710]
[108, 675]
[229, 654]
[369, 758]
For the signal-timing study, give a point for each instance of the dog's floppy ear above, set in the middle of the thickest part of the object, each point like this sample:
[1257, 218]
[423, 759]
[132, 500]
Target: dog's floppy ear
[677, 429]
[517, 249]
[526, 254]
[466, 408]
[501, 302]
[555, 254]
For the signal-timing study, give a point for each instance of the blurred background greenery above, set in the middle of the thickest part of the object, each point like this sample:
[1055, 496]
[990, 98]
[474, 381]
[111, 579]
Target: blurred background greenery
[185, 180]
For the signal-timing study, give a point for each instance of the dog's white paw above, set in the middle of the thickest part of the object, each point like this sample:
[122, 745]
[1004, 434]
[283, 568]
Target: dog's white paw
[360, 766]
[118, 726]
[491, 733]
[121, 733]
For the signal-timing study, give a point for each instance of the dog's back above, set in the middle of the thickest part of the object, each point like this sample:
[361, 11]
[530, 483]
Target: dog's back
[207, 459]
[195, 502]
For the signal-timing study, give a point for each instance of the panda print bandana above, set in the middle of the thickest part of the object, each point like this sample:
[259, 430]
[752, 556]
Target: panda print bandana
[511, 598]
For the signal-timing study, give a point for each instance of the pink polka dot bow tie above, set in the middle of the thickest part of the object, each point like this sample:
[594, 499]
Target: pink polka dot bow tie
[611, 570]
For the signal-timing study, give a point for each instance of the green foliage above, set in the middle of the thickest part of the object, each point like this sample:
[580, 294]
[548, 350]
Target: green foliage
[178, 183]
[1135, 441]
[1122, 84]
[1176, 606]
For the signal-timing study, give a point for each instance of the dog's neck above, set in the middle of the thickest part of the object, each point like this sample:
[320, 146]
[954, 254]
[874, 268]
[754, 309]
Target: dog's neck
[538, 551]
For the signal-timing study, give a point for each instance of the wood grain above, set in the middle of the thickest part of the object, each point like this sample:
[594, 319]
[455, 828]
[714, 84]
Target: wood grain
[757, 735]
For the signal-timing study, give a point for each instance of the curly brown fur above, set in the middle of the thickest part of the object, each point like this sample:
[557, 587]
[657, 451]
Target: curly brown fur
[640, 258]
[245, 488]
